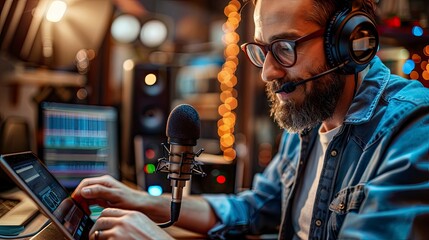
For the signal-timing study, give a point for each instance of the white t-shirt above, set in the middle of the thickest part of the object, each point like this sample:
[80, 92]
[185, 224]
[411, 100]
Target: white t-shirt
[302, 207]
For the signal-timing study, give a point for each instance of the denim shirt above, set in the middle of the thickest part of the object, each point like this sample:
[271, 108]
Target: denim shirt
[375, 179]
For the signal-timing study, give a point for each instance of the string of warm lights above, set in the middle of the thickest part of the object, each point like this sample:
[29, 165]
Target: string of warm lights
[228, 81]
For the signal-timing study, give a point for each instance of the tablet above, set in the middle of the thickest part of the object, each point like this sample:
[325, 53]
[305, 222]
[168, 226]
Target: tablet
[54, 201]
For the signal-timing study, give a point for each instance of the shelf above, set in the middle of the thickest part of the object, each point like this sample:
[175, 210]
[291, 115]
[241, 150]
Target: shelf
[42, 77]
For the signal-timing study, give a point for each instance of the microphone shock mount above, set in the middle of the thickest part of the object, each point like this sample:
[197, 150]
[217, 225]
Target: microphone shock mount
[180, 164]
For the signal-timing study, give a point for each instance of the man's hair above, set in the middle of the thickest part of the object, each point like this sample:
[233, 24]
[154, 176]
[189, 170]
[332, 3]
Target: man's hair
[324, 10]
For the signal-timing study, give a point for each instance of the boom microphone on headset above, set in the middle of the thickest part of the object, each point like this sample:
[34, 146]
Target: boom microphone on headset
[291, 86]
[183, 130]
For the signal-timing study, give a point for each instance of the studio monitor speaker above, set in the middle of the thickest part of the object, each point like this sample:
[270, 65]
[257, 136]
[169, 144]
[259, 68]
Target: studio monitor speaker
[146, 106]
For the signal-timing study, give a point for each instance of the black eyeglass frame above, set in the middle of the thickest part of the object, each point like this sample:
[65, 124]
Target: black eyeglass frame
[293, 43]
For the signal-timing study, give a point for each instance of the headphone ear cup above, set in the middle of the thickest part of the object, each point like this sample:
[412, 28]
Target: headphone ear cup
[351, 37]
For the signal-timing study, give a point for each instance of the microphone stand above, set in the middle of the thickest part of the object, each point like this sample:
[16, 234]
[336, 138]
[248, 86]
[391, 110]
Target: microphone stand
[178, 178]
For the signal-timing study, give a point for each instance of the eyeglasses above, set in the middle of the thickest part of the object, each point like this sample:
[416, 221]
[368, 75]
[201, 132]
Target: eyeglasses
[283, 50]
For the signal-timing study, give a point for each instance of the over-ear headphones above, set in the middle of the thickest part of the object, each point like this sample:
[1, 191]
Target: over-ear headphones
[351, 37]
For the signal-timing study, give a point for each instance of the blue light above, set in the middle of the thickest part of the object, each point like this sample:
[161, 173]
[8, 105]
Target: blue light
[417, 31]
[154, 190]
[409, 66]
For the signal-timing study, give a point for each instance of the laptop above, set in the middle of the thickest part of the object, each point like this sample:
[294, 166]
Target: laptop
[31, 175]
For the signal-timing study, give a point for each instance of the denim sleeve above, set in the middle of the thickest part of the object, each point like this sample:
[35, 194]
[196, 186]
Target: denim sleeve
[252, 211]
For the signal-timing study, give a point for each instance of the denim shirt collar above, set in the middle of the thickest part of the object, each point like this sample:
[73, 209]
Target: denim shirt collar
[369, 93]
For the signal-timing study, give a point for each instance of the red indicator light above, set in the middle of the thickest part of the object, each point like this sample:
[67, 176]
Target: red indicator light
[221, 179]
[149, 153]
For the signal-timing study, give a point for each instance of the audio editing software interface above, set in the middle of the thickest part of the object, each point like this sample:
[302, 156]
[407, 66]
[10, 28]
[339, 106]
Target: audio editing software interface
[78, 141]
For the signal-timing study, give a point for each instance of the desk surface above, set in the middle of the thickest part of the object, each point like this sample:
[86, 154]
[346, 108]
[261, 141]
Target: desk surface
[51, 231]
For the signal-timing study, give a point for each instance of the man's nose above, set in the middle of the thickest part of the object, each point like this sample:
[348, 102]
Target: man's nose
[272, 70]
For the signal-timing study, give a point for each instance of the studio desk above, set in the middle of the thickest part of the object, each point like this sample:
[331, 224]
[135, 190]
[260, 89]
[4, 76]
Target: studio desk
[51, 231]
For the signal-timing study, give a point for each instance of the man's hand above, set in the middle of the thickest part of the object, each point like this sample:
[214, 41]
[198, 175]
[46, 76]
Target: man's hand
[106, 191]
[116, 223]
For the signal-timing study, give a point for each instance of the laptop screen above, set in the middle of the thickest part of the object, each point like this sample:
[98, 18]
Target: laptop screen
[78, 141]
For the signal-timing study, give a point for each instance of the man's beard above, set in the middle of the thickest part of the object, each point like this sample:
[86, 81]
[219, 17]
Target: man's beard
[318, 105]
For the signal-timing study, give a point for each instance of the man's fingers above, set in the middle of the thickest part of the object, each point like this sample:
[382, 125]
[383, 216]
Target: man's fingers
[113, 212]
[108, 219]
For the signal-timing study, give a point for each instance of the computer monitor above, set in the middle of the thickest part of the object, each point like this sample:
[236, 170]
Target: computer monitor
[78, 141]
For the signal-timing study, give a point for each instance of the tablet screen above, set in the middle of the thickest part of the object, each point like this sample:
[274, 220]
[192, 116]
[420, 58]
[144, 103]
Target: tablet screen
[49, 192]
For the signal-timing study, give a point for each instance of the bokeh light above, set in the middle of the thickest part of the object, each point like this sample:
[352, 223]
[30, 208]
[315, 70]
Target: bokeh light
[154, 190]
[416, 58]
[414, 75]
[417, 31]
[426, 50]
[228, 80]
[408, 66]
[425, 75]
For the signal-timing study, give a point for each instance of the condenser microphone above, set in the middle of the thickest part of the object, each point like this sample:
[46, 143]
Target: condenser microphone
[183, 130]
[291, 86]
